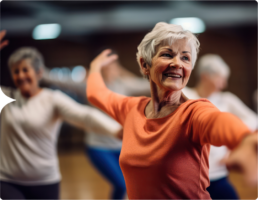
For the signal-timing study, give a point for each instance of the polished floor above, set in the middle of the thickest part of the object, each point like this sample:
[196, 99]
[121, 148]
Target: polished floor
[81, 181]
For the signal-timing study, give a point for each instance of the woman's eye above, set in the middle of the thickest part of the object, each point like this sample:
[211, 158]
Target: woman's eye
[166, 55]
[25, 70]
[16, 71]
[185, 58]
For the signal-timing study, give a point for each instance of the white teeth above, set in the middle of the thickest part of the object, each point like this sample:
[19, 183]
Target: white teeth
[174, 75]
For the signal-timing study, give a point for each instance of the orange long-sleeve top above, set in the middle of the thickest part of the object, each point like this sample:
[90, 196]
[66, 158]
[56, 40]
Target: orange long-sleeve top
[166, 158]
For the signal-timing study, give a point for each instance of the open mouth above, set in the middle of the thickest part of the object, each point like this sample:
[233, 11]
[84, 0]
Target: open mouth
[172, 75]
[23, 82]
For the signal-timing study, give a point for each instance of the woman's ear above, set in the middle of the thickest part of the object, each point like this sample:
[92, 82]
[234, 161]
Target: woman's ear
[144, 66]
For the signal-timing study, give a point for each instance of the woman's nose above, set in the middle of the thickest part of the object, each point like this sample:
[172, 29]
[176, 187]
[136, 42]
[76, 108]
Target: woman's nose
[20, 75]
[176, 63]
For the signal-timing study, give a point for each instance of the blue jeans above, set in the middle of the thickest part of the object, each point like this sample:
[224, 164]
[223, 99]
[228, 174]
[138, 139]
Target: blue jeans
[222, 189]
[107, 163]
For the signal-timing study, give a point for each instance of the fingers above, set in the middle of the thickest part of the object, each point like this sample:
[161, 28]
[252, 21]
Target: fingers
[106, 52]
[111, 58]
[3, 44]
[244, 160]
[2, 34]
[248, 171]
[106, 55]
[102, 60]
[234, 165]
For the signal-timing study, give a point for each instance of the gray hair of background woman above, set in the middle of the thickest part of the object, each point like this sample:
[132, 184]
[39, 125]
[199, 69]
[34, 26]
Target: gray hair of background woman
[165, 34]
[33, 54]
[212, 64]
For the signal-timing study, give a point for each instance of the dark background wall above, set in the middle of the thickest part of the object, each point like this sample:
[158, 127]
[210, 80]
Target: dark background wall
[237, 46]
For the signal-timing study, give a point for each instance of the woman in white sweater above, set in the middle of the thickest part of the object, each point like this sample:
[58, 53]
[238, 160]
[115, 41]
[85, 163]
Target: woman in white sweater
[29, 130]
[104, 150]
[213, 73]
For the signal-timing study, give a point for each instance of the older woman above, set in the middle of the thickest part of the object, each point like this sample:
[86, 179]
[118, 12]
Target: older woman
[213, 74]
[166, 137]
[29, 130]
[104, 150]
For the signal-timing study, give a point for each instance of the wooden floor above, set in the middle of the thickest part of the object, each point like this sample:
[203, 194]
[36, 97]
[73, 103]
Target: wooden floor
[80, 180]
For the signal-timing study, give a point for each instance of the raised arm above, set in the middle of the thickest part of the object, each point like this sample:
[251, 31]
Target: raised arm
[85, 117]
[5, 42]
[64, 84]
[115, 105]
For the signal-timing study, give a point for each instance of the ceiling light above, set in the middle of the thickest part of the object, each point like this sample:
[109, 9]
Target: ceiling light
[193, 24]
[46, 31]
[78, 74]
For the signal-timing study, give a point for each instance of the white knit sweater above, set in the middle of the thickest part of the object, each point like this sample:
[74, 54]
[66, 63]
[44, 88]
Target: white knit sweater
[29, 131]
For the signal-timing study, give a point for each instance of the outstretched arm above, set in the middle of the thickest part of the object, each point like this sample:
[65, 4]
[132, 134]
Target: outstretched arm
[85, 117]
[211, 126]
[64, 84]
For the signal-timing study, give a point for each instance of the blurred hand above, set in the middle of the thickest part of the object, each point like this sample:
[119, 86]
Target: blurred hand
[243, 159]
[5, 42]
[102, 60]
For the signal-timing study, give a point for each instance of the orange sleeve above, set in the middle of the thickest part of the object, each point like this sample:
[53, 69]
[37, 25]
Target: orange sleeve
[209, 125]
[115, 105]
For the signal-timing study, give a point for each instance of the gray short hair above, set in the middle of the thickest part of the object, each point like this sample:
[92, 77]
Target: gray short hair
[20, 54]
[212, 64]
[163, 34]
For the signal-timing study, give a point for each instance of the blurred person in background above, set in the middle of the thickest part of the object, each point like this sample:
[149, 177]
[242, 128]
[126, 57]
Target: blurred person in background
[166, 137]
[213, 74]
[104, 150]
[30, 126]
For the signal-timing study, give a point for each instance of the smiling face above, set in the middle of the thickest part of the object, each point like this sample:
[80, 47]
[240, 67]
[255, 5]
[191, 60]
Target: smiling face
[25, 77]
[171, 66]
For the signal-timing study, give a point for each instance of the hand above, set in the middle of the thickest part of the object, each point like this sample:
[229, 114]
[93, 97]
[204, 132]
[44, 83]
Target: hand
[243, 159]
[102, 60]
[5, 42]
